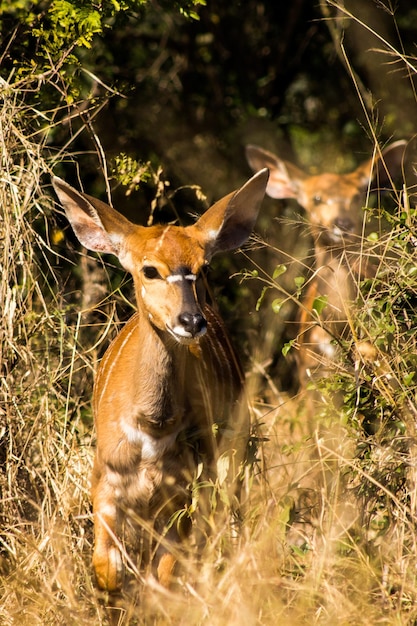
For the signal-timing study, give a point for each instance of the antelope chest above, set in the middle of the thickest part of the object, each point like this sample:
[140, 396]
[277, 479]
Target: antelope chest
[154, 473]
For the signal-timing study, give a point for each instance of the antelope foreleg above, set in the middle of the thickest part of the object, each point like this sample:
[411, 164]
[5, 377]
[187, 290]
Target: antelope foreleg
[107, 560]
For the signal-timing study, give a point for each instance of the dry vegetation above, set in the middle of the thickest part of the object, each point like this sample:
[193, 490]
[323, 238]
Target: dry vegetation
[329, 531]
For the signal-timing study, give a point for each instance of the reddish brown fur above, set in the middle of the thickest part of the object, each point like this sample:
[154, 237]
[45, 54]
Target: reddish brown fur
[166, 385]
[333, 204]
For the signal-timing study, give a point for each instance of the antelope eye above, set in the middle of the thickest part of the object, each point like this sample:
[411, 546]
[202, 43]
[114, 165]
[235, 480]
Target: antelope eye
[149, 271]
[317, 200]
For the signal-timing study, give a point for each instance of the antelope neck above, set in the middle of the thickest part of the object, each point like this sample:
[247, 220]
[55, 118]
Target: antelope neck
[159, 367]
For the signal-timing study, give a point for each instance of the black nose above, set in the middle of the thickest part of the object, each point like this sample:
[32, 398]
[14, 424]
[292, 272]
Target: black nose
[193, 323]
[345, 224]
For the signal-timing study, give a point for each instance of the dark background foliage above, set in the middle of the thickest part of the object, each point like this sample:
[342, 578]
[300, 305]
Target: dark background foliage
[303, 79]
[151, 101]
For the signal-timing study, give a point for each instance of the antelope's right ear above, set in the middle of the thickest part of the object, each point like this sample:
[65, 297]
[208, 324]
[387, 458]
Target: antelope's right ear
[229, 222]
[284, 177]
[97, 225]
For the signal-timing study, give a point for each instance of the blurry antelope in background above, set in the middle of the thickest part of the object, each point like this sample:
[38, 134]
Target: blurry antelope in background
[169, 384]
[333, 204]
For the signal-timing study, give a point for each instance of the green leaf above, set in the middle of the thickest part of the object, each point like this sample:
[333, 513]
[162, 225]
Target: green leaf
[319, 303]
[299, 281]
[278, 271]
[277, 304]
[287, 347]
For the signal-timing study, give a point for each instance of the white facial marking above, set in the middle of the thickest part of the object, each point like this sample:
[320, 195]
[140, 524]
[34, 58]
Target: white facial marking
[183, 336]
[181, 332]
[143, 291]
[176, 278]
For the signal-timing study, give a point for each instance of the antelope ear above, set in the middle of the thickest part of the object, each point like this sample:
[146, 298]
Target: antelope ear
[230, 221]
[384, 167]
[285, 178]
[97, 225]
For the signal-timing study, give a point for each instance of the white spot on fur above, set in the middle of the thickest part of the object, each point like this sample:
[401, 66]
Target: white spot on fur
[133, 435]
[327, 349]
[212, 234]
[114, 479]
[115, 559]
[107, 510]
[153, 448]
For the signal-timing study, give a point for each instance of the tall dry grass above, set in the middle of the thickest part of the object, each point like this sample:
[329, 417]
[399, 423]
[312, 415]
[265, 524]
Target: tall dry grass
[328, 535]
[45, 448]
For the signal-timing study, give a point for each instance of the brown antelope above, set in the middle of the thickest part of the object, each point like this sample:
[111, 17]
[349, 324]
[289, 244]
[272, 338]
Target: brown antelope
[333, 205]
[169, 384]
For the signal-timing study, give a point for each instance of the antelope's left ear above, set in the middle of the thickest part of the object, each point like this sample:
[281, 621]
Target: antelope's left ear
[384, 167]
[229, 222]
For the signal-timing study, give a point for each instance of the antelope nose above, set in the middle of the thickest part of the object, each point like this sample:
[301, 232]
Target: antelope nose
[344, 223]
[193, 323]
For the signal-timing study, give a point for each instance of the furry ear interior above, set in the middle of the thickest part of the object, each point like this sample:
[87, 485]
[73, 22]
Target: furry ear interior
[284, 177]
[384, 167]
[229, 222]
[97, 225]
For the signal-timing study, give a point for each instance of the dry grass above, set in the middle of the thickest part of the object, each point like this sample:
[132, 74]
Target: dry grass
[329, 530]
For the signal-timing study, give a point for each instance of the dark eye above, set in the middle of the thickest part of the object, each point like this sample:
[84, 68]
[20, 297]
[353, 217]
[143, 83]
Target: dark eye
[317, 200]
[150, 272]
